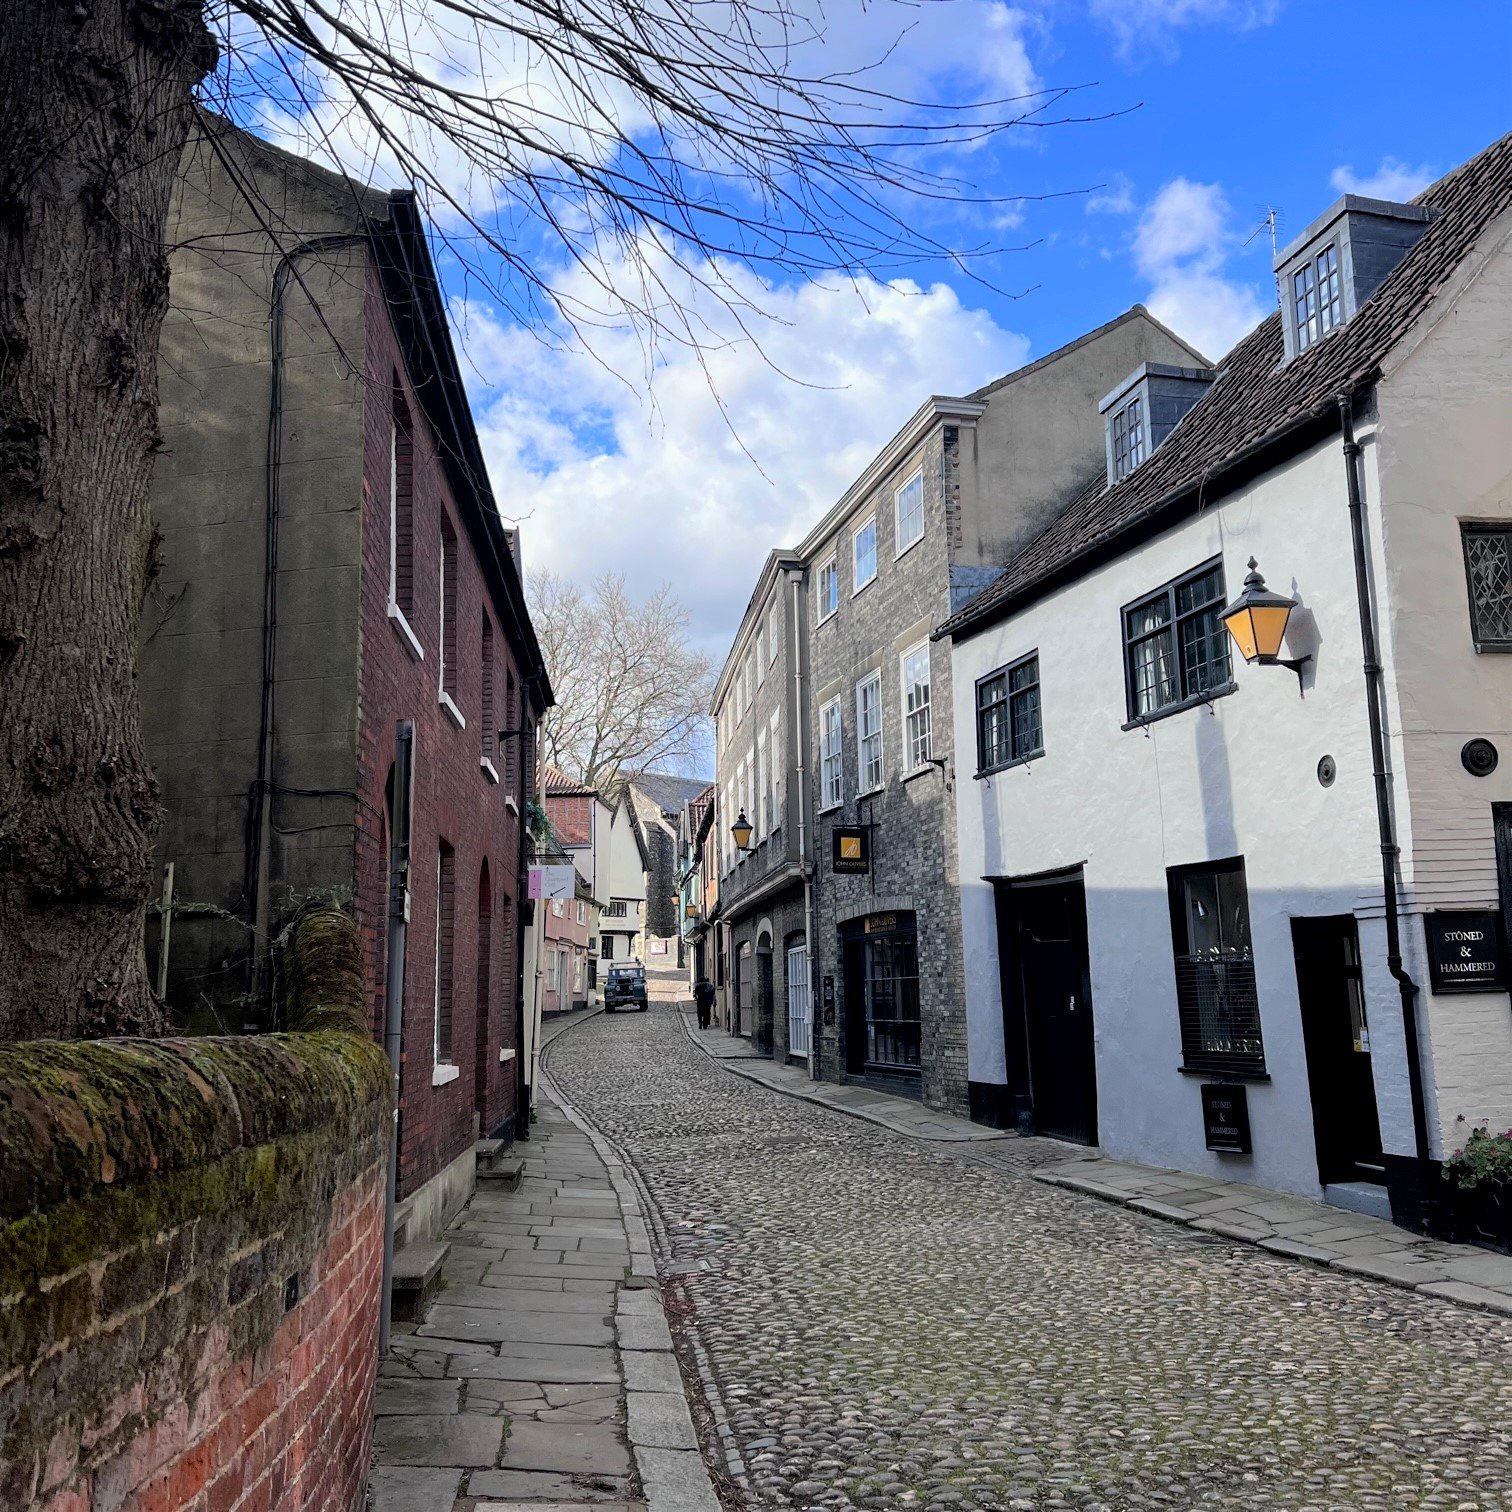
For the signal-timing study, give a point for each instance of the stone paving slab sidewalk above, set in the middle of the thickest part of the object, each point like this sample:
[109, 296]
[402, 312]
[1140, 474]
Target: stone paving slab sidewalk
[900, 1114]
[1295, 1227]
[543, 1376]
[1298, 1228]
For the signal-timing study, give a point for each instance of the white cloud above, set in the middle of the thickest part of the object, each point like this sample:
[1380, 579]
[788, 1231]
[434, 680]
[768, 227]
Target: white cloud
[614, 467]
[1141, 27]
[1393, 180]
[1116, 197]
[1182, 245]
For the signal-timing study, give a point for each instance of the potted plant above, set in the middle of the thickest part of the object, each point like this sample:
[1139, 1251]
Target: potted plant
[1480, 1175]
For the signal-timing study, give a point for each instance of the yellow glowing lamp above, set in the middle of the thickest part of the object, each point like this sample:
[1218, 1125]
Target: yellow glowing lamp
[741, 830]
[1256, 621]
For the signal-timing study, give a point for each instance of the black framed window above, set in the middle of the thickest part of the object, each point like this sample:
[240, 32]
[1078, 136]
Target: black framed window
[1215, 969]
[1128, 438]
[892, 998]
[1009, 728]
[1317, 306]
[1488, 575]
[1175, 646]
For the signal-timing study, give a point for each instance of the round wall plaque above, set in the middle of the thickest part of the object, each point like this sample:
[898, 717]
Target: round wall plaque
[1327, 771]
[1479, 757]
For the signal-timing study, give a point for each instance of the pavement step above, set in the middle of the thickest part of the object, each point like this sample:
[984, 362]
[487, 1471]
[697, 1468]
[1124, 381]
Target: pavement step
[487, 1152]
[503, 1175]
[417, 1277]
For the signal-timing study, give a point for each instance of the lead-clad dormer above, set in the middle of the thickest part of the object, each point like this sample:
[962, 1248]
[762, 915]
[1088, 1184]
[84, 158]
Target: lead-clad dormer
[1338, 262]
[1143, 410]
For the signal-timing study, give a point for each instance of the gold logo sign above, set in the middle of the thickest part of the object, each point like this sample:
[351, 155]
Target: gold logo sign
[850, 847]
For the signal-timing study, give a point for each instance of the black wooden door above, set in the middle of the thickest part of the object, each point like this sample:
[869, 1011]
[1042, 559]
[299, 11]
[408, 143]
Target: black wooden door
[1336, 1037]
[1057, 1001]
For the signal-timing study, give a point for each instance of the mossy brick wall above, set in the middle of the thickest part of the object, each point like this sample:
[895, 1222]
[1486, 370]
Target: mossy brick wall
[190, 1262]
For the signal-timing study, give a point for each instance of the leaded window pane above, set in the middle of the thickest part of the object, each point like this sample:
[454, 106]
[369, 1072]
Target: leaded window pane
[1152, 671]
[1215, 973]
[1488, 563]
[992, 722]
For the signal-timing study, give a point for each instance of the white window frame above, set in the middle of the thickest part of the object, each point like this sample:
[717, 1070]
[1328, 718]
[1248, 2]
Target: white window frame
[778, 769]
[899, 544]
[832, 567]
[773, 624]
[865, 782]
[913, 759]
[831, 757]
[857, 582]
[761, 821]
[761, 655]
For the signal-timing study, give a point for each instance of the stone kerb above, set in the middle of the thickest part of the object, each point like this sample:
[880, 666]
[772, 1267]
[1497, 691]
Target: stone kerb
[190, 1261]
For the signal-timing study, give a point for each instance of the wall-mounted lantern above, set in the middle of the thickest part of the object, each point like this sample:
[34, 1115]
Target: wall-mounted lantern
[741, 830]
[1256, 621]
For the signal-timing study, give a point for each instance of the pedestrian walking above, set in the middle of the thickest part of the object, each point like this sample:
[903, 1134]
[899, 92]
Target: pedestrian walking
[703, 1000]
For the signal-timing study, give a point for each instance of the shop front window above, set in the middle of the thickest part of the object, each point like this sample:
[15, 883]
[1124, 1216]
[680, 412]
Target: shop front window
[892, 998]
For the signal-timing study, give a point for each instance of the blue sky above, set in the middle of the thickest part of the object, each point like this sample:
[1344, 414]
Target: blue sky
[667, 464]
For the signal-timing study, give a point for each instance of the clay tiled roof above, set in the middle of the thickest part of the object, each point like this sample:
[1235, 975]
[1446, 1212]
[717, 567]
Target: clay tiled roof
[557, 783]
[1255, 404]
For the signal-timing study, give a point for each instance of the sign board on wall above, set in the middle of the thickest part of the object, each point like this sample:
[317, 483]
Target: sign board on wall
[850, 848]
[1465, 952]
[552, 882]
[1225, 1117]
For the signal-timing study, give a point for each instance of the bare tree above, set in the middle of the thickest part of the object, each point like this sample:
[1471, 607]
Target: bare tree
[632, 695]
[628, 136]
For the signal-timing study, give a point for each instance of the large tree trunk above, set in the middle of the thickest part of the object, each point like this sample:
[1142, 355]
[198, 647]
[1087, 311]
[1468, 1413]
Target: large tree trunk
[95, 100]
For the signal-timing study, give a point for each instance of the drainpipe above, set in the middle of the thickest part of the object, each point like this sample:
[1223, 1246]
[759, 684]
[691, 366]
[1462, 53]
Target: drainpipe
[393, 995]
[800, 745]
[1390, 852]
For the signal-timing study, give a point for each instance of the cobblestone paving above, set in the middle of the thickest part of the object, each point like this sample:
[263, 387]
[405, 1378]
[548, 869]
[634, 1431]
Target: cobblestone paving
[897, 1325]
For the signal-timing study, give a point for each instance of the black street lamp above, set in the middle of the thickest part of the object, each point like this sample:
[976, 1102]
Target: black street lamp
[1256, 622]
[741, 830]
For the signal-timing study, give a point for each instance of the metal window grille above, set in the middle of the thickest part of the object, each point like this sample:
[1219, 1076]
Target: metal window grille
[448, 585]
[1488, 570]
[401, 505]
[1217, 1004]
[486, 730]
[1175, 646]
[892, 1001]
[446, 892]
[799, 1000]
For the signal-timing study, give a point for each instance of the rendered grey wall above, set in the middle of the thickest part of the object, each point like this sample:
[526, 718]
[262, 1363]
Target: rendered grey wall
[202, 624]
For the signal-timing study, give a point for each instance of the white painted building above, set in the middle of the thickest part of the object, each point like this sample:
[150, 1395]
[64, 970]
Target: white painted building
[621, 886]
[1171, 860]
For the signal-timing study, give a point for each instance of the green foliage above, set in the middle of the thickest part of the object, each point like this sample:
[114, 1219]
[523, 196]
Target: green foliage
[1485, 1159]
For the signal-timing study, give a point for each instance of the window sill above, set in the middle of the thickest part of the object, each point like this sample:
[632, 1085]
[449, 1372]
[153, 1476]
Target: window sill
[899, 555]
[1224, 1073]
[862, 587]
[450, 709]
[511, 805]
[408, 636]
[921, 771]
[1196, 702]
[489, 770]
[831, 808]
[871, 792]
[442, 1074]
[507, 1054]
[1008, 766]
[827, 618]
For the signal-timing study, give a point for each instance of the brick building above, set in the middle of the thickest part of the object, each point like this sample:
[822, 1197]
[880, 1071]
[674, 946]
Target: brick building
[334, 564]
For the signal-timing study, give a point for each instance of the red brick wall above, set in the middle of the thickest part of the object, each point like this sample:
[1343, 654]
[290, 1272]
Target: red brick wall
[454, 800]
[201, 1242]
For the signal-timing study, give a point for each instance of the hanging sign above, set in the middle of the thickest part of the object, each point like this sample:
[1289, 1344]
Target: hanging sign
[850, 848]
[1225, 1117]
[1465, 952]
[552, 882]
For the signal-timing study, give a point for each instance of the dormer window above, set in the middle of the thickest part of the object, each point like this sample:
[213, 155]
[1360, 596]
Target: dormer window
[1144, 409]
[1128, 439]
[1316, 302]
[1338, 262]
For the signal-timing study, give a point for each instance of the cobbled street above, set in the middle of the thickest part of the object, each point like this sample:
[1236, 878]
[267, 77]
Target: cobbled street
[894, 1324]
